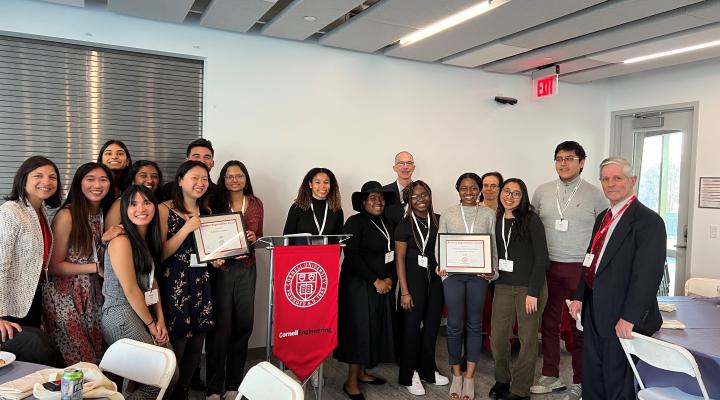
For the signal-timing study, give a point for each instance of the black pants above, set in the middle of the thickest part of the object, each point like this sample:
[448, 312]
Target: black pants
[607, 375]
[419, 332]
[187, 353]
[233, 296]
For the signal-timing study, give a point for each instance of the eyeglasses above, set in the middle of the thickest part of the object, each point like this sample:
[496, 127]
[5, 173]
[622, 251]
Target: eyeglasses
[423, 196]
[509, 193]
[567, 159]
[492, 187]
[404, 163]
[234, 177]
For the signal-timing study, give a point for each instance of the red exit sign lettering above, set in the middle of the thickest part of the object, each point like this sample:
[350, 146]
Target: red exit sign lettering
[545, 87]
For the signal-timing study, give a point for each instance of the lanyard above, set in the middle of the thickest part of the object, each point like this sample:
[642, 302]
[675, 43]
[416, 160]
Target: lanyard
[604, 228]
[472, 226]
[317, 224]
[425, 239]
[567, 203]
[384, 232]
[506, 243]
[152, 275]
[243, 207]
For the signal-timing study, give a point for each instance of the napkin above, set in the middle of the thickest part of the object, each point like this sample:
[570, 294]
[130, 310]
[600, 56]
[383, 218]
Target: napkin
[672, 324]
[667, 307]
[96, 385]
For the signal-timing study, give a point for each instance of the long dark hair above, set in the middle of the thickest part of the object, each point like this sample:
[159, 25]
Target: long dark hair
[122, 179]
[144, 252]
[485, 175]
[222, 194]
[20, 181]
[81, 236]
[407, 193]
[135, 168]
[522, 213]
[176, 195]
[304, 197]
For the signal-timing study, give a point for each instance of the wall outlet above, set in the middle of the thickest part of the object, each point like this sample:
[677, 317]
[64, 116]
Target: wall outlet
[713, 231]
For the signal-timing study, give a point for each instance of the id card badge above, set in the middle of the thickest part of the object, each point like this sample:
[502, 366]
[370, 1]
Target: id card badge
[506, 265]
[194, 262]
[561, 225]
[588, 259]
[422, 261]
[389, 257]
[151, 297]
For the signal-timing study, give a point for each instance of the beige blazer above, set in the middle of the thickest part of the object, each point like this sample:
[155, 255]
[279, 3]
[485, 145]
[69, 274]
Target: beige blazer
[21, 257]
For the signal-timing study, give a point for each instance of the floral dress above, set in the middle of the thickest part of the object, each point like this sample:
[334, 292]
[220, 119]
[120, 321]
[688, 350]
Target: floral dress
[185, 290]
[72, 305]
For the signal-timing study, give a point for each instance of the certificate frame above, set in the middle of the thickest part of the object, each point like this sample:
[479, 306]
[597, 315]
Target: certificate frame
[210, 239]
[465, 253]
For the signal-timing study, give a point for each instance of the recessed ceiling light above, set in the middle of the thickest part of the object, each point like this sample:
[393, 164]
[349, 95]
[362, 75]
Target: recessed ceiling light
[673, 52]
[446, 23]
[309, 18]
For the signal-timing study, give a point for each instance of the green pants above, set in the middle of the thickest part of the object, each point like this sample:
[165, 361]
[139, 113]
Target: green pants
[509, 304]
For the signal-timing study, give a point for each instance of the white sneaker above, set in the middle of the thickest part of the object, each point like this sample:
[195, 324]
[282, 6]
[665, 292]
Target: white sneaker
[416, 388]
[440, 380]
[574, 392]
[548, 384]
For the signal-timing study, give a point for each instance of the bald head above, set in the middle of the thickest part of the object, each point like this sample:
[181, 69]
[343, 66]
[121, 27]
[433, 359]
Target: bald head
[404, 167]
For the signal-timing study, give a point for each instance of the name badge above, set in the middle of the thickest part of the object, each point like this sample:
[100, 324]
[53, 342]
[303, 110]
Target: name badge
[588, 259]
[561, 225]
[151, 297]
[389, 257]
[422, 261]
[194, 262]
[506, 265]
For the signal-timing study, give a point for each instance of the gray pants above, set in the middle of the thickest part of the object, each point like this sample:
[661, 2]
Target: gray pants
[120, 322]
[464, 300]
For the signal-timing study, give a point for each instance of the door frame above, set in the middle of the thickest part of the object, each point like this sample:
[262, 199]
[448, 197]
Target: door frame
[615, 140]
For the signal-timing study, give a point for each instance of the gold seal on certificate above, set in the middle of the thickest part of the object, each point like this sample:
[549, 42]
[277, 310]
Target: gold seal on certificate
[221, 236]
[465, 253]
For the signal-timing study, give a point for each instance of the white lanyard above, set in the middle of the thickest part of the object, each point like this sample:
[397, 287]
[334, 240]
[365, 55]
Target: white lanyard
[423, 240]
[152, 275]
[384, 232]
[242, 208]
[567, 203]
[317, 224]
[506, 243]
[472, 226]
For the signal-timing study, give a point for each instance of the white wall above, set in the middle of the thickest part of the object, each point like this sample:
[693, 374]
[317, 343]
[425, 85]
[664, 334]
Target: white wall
[283, 107]
[692, 82]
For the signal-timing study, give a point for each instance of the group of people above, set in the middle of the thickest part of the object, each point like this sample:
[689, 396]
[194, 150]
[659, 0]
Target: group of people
[118, 261]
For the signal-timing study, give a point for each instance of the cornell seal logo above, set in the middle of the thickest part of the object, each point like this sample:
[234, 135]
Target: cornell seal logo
[306, 284]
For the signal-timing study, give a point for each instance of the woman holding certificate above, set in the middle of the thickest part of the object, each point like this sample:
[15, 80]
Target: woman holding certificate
[520, 291]
[465, 292]
[233, 287]
[317, 209]
[366, 304]
[421, 291]
[184, 281]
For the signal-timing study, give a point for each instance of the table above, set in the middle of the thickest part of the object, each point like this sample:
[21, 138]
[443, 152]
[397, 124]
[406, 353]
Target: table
[701, 337]
[18, 369]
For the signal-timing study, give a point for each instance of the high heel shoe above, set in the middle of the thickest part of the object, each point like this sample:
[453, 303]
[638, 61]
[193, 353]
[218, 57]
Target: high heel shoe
[456, 387]
[468, 391]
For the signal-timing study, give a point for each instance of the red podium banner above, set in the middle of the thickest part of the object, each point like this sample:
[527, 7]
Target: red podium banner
[305, 297]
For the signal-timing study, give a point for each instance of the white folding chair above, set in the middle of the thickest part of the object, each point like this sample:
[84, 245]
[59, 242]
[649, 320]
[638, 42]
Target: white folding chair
[265, 381]
[665, 356]
[705, 287]
[140, 362]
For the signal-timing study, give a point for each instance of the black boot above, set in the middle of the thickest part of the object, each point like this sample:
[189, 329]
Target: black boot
[180, 392]
[499, 390]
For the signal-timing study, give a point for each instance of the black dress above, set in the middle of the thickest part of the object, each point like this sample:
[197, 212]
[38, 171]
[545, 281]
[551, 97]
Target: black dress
[366, 317]
[302, 221]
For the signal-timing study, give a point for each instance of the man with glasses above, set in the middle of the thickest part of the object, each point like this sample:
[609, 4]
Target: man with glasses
[404, 167]
[567, 207]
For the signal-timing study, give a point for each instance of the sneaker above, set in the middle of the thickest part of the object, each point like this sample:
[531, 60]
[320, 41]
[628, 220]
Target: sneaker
[440, 380]
[416, 388]
[547, 384]
[230, 395]
[575, 392]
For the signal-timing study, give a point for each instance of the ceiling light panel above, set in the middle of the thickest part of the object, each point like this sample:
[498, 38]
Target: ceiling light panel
[483, 55]
[291, 23]
[160, 10]
[234, 15]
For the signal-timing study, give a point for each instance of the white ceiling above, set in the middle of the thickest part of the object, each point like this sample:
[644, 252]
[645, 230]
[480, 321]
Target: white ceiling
[589, 39]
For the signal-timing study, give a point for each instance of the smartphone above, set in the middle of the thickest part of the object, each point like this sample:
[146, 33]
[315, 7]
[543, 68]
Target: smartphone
[52, 386]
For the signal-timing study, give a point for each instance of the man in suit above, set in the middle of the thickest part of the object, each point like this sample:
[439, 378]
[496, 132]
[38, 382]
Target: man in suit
[616, 293]
[404, 167]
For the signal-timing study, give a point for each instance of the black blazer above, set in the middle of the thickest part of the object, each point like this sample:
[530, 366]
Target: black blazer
[395, 212]
[629, 274]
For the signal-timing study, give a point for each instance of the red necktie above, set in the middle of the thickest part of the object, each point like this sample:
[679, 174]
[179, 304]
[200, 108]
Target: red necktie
[597, 247]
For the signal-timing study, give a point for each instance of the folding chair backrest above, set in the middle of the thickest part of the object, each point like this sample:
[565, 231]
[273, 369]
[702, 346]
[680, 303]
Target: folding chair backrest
[662, 355]
[705, 287]
[265, 381]
[140, 362]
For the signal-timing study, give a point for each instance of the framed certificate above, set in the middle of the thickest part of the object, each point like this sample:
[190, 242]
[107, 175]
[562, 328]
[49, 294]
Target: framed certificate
[465, 253]
[221, 236]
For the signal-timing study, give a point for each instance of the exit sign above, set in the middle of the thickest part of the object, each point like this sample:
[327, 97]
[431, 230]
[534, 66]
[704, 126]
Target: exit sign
[545, 81]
